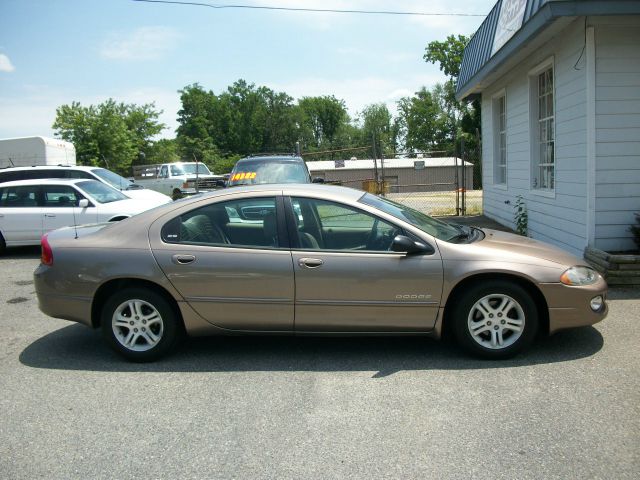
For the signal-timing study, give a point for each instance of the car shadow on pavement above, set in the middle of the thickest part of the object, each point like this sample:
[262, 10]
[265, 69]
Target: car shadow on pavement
[78, 348]
[19, 253]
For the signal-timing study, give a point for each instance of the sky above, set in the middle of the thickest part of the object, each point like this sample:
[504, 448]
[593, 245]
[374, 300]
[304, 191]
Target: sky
[54, 52]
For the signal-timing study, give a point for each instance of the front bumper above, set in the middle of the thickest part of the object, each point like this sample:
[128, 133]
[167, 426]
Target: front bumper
[569, 307]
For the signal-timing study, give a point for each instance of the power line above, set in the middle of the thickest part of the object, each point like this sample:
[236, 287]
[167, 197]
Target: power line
[314, 10]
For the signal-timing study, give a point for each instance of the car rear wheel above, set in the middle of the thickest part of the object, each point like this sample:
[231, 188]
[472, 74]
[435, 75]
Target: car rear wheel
[140, 324]
[3, 244]
[495, 320]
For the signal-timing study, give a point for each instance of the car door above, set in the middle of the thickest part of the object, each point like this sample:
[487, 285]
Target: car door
[60, 208]
[21, 215]
[230, 261]
[347, 279]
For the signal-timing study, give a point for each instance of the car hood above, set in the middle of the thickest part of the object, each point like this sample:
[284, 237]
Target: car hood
[146, 194]
[504, 243]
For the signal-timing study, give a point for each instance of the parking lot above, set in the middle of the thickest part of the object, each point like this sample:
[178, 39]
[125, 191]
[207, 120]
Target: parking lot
[313, 407]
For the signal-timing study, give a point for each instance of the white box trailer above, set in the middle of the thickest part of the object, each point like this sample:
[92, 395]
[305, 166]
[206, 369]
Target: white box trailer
[32, 151]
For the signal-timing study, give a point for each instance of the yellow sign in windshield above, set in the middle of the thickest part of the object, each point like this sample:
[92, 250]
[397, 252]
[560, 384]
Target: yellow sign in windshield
[243, 176]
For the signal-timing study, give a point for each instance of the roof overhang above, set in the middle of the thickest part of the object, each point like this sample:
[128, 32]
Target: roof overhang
[547, 22]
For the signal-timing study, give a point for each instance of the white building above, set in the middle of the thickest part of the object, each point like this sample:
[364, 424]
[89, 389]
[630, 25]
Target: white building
[559, 82]
[401, 174]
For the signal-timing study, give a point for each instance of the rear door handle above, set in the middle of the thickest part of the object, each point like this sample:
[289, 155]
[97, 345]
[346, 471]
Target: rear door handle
[183, 259]
[50, 215]
[310, 262]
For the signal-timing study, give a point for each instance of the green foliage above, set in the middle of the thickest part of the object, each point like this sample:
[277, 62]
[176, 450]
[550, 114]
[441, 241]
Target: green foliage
[246, 119]
[521, 216]
[241, 120]
[110, 134]
[164, 150]
[321, 119]
[378, 128]
[463, 120]
[424, 121]
[635, 230]
[447, 54]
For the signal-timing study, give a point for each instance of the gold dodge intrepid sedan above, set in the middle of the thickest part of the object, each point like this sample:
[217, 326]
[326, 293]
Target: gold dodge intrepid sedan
[310, 260]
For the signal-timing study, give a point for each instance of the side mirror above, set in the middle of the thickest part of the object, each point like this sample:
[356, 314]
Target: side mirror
[317, 180]
[83, 203]
[404, 244]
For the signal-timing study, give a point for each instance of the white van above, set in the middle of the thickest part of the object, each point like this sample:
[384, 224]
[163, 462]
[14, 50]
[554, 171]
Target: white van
[28, 151]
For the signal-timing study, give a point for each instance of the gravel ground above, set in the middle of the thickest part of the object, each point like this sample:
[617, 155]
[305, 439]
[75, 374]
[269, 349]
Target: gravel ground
[313, 407]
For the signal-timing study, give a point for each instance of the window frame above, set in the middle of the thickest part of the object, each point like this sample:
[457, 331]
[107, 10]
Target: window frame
[37, 192]
[293, 230]
[43, 192]
[498, 151]
[535, 126]
[283, 236]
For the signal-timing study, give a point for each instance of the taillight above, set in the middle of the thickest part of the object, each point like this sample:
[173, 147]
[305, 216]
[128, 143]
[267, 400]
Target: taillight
[46, 257]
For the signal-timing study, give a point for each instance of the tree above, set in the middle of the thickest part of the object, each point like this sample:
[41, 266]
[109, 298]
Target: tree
[322, 118]
[109, 134]
[447, 54]
[465, 118]
[378, 128]
[425, 122]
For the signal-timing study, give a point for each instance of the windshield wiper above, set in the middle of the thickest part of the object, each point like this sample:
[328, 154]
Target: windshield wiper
[465, 233]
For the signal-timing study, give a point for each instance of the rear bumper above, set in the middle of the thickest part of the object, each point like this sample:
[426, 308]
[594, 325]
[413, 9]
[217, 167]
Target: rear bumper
[53, 304]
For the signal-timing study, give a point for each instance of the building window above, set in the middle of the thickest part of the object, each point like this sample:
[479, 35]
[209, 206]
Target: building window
[543, 154]
[500, 140]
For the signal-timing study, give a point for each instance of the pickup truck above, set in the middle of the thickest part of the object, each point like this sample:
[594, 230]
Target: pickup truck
[188, 177]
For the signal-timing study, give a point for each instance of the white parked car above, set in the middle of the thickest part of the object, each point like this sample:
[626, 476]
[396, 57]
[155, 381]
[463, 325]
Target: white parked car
[129, 188]
[30, 208]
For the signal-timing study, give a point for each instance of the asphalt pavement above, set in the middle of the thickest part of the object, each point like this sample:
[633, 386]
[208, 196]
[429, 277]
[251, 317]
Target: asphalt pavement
[313, 408]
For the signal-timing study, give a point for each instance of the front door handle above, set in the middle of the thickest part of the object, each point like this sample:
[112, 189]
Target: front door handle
[310, 262]
[50, 215]
[183, 259]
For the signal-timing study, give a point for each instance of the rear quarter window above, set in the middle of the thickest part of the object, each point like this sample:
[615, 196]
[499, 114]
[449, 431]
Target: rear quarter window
[10, 176]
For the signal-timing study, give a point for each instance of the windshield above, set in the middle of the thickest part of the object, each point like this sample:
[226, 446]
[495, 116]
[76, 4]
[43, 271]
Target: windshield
[252, 173]
[113, 179]
[189, 169]
[435, 228]
[101, 192]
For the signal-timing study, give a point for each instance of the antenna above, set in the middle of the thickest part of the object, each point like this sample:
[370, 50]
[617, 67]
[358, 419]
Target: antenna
[75, 224]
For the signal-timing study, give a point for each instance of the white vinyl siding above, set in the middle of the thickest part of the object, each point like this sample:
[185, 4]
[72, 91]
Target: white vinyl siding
[617, 131]
[558, 217]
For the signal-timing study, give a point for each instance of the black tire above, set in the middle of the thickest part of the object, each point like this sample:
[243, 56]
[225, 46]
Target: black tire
[491, 324]
[157, 329]
[3, 244]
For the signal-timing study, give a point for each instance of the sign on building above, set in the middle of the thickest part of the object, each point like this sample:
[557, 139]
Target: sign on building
[509, 22]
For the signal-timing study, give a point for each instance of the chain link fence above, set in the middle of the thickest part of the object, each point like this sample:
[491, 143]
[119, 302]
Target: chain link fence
[437, 183]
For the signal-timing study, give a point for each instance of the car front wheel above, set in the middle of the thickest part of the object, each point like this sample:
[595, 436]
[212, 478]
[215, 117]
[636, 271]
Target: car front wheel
[495, 320]
[140, 324]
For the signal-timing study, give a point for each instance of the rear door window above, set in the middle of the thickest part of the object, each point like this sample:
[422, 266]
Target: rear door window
[20, 197]
[249, 223]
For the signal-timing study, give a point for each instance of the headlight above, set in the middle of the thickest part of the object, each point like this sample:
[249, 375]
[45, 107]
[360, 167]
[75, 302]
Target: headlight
[578, 276]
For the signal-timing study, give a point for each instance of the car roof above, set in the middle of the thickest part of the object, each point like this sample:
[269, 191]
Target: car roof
[292, 189]
[49, 167]
[272, 158]
[46, 181]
